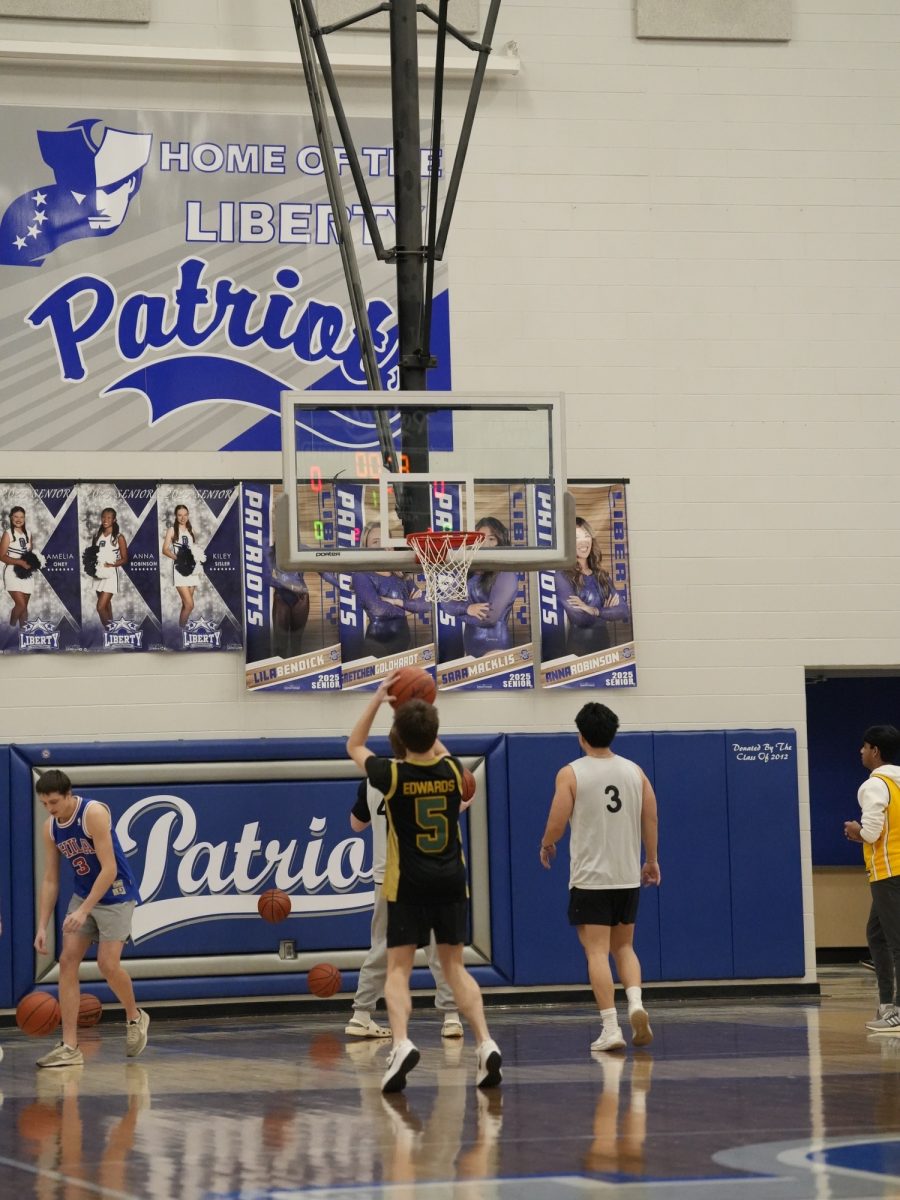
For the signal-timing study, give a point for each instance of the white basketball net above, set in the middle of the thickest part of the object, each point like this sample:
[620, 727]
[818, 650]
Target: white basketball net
[445, 559]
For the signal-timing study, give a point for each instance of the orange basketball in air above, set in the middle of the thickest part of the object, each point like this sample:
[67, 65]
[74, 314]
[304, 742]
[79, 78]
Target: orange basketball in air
[274, 905]
[324, 979]
[412, 683]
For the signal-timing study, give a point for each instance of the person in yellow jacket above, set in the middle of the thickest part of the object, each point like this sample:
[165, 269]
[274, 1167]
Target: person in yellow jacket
[879, 833]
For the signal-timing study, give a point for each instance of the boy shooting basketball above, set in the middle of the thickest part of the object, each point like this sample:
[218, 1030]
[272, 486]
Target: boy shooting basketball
[424, 878]
[100, 911]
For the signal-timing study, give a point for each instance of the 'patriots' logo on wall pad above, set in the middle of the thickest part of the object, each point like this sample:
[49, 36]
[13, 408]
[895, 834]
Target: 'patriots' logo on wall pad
[98, 170]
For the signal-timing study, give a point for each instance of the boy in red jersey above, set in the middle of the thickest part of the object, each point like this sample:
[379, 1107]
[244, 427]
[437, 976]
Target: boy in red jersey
[106, 894]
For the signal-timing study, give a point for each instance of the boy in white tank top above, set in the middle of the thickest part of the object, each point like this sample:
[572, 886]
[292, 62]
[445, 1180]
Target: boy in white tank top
[611, 807]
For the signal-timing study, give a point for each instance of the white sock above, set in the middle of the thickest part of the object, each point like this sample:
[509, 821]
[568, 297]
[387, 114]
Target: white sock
[638, 1101]
[360, 1014]
[633, 995]
[610, 1020]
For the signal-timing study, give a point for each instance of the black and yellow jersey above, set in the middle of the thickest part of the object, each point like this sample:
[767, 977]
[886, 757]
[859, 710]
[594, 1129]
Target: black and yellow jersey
[425, 863]
[883, 857]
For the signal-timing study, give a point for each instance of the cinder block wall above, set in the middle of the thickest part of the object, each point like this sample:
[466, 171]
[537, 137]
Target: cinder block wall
[696, 241]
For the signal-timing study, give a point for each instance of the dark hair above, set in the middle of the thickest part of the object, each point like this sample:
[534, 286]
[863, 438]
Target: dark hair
[885, 739]
[396, 743]
[53, 781]
[417, 724]
[17, 508]
[501, 533]
[594, 561]
[597, 724]
[187, 523]
[115, 525]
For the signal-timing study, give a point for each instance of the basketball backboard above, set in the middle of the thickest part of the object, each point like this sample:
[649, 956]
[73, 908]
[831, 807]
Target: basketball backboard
[366, 469]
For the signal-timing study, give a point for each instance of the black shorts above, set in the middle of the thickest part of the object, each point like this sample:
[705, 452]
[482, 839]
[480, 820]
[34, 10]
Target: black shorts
[411, 924]
[603, 906]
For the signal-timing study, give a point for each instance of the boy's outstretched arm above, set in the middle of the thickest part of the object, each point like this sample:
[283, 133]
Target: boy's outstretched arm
[356, 742]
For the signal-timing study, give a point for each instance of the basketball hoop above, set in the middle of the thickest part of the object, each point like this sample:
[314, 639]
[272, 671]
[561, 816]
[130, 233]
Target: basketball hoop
[444, 559]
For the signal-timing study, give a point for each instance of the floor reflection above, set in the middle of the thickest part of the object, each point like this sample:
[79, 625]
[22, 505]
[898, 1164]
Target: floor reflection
[776, 1100]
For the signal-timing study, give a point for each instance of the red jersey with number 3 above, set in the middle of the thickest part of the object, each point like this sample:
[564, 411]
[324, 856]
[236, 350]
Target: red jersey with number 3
[76, 844]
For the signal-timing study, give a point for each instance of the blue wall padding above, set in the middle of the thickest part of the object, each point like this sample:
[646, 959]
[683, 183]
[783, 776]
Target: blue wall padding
[498, 838]
[695, 896]
[838, 711]
[766, 894]
[545, 946]
[22, 873]
[730, 905]
[641, 748]
[222, 987]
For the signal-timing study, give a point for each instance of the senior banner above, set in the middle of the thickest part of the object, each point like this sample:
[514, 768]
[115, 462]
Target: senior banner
[200, 565]
[587, 633]
[485, 640]
[120, 595]
[292, 622]
[164, 276]
[41, 598]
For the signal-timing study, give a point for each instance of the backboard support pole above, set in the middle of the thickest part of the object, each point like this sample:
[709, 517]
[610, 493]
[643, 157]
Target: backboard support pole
[412, 500]
[413, 256]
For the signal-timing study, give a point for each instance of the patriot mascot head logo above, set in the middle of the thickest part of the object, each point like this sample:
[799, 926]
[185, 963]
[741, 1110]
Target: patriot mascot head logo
[97, 170]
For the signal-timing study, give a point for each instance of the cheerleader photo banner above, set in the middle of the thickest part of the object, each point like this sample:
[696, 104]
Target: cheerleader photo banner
[41, 600]
[119, 550]
[200, 566]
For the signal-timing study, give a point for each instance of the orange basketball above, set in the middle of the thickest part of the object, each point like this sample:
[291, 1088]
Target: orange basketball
[37, 1014]
[274, 905]
[324, 979]
[90, 1010]
[468, 782]
[412, 683]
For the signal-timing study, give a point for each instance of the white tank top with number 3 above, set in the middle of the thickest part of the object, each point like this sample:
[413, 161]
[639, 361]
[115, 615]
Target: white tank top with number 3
[605, 850]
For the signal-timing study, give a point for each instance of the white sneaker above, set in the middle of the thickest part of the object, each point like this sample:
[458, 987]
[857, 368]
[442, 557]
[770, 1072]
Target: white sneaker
[882, 1011]
[136, 1034]
[609, 1039]
[62, 1056]
[887, 1021]
[641, 1033]
[452, 1027]
[401, 1061]
[365, 1029]
[487, 1065]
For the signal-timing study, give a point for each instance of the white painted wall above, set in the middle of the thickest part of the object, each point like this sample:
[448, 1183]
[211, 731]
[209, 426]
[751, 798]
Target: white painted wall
[698, 243]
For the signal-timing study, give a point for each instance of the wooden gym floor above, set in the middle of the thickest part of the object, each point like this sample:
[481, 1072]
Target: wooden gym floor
[751, 1100]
